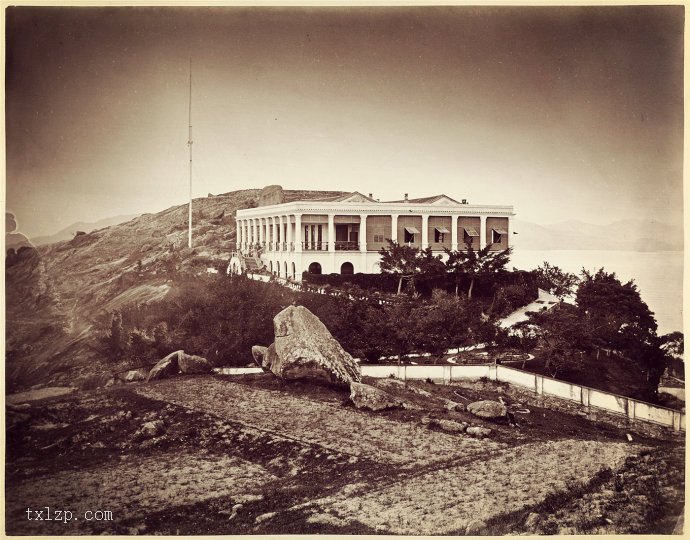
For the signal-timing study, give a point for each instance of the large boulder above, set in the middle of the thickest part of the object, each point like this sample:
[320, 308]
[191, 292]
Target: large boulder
[487, 409]
[190, 363]
[305, 349]
[166, 367]
[369, 397]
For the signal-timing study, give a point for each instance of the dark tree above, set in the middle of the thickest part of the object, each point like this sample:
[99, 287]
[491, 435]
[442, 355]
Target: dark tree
[400, 260]
[556, 281]
[476, 264]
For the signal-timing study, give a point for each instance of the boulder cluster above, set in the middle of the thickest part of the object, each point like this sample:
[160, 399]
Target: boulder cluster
[305, 349]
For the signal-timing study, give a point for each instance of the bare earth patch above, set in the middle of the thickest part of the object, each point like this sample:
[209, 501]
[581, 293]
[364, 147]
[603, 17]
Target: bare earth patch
[40, 393]
[328, 424]
[132, 488]
[445, 501]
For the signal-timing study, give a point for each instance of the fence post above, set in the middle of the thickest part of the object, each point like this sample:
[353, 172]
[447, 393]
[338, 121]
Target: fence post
[539, 384]
[585, 398]
[493, 372]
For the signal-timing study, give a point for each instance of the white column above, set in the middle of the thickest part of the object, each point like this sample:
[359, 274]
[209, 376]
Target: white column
[281, 232]
[238, 235]
[290, 238]
[363, 233]
[425, 231]
[252, 232]
[298, 233]
[243, 234]
[394, 227]
[261, 230]
[454, 233]
[482, 232]
[331, 233]
[510, 230]
[274, 226]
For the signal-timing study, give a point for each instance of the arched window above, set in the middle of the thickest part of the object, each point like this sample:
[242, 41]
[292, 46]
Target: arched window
[285, 266]
[314, 268]
[347, 269]
[293, 271]
[270, 266]
[277, 267]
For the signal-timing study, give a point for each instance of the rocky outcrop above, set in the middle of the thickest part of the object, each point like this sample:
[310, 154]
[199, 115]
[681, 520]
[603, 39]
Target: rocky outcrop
[368, 397]
[191, 363]
[305, 349]
[271, 195]
[487, 409]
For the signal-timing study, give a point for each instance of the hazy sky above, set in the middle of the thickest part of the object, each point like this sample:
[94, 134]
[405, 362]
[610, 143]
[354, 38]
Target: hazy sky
[566, 113]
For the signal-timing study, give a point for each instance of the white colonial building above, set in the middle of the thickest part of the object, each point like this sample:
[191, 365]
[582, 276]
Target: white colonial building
[344, 234]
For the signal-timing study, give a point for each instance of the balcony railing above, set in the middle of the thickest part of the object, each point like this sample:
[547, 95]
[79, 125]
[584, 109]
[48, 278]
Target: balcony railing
[345, 245]
[315, 246]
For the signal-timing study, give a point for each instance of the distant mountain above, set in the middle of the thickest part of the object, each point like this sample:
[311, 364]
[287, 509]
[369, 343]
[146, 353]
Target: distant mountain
[625, 235]
[68, 232]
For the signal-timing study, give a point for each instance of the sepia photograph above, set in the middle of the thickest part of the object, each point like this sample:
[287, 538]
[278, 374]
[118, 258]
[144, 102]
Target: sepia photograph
[344, 270]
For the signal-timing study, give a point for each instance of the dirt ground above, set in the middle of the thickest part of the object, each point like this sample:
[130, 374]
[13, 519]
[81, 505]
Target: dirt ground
[238, 455]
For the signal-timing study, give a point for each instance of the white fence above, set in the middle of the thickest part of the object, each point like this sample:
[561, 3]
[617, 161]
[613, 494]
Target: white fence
[587, 397]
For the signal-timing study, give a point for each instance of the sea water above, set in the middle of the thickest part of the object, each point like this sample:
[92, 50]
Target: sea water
[658, 275]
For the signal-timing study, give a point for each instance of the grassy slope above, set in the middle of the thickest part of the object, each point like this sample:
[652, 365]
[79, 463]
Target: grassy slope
[54, 298]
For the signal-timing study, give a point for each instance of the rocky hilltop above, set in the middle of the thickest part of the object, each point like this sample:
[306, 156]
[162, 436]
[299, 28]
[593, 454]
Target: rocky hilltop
[56, 293]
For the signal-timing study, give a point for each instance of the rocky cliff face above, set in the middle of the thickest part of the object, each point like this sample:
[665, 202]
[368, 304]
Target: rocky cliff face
[56, 293]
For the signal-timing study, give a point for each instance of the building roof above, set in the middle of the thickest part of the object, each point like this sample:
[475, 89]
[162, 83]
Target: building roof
[354, 196]
[435, 199]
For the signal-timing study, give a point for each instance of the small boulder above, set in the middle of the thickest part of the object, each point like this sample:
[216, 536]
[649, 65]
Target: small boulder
[166, 367]
[487, 409]
[152, 429]
[478, 431]
[135, 375]
[365, 396]
[453, 406]
[190, 363]
[258, 354]
[448, 425]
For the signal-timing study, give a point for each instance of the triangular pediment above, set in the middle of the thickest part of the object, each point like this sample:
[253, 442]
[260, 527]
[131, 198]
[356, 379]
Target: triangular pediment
[444, 200]
[356, 197]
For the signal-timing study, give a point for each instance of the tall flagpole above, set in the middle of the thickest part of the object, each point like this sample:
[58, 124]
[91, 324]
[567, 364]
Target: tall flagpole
[189, 143]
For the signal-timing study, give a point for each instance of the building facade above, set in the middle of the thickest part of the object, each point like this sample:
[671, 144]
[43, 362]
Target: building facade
[344, 234]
